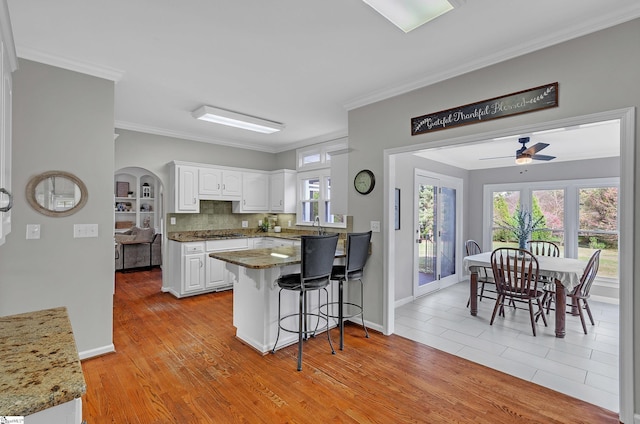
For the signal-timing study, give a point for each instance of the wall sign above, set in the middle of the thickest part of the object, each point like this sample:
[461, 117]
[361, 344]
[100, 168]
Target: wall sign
[538, 98]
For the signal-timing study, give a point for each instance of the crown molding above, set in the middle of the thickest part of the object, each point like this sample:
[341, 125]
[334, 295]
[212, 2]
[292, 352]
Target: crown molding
[325, 138]
[132, 126]
[99, 71]
[584, 28]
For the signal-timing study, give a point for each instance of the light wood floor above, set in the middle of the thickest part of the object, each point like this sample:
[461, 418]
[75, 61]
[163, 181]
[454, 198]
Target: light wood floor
[178, 361]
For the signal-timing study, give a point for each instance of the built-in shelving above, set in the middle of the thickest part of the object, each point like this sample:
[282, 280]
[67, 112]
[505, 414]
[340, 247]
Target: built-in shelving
[136, 194]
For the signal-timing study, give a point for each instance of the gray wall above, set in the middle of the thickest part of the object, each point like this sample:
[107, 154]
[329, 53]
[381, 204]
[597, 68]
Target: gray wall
[596, 73]
[62, 120]
[154, 152]
[404, 246]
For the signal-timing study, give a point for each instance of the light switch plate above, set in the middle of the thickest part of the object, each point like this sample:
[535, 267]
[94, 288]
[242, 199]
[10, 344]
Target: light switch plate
[33, 231]
[375, 226]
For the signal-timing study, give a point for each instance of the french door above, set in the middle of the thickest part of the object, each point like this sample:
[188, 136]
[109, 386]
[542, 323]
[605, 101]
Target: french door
[437, 231]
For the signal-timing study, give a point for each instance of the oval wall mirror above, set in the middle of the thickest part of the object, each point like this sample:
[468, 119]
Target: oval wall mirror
[56, 193]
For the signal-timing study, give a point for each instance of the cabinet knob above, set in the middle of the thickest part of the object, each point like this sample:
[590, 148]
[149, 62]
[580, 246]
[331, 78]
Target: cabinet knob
[10, 204]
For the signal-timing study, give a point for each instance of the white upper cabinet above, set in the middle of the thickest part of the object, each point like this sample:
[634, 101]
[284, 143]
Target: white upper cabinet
[282, 191]
[250, 191]
[184, 189]
[255, 193]
[220, 184]
[232, 185]
[210, 183]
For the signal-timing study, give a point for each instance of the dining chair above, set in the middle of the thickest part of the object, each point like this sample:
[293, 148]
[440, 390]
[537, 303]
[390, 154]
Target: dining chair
[545, 248]
[516, 277]
[317, 256]
[485, 275]
[581, 292]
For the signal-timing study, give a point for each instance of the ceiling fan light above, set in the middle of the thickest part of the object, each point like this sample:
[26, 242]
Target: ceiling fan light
[523, 159]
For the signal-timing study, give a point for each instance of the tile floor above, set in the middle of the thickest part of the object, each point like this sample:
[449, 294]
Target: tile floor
[582, 366]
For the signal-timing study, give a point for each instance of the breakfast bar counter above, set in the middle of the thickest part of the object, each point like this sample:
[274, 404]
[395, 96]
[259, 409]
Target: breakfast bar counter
[40, 370]
[255, 292]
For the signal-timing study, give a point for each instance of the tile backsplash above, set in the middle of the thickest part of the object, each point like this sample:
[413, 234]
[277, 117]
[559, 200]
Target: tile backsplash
[217, 215]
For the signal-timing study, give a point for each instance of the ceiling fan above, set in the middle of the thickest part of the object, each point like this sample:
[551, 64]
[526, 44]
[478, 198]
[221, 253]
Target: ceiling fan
[526, 155]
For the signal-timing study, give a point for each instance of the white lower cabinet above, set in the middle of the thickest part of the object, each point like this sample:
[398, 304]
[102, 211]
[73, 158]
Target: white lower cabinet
[217, 276]
[193, 267]
[69, 413]
[192, 271]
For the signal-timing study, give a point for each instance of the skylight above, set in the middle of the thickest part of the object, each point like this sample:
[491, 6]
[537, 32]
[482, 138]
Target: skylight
[410, 14]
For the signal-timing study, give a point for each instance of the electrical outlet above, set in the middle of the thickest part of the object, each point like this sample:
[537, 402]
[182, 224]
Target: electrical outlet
[259, 222]
[85, 230]
[245, 224]
[173, 220]
[375, 226]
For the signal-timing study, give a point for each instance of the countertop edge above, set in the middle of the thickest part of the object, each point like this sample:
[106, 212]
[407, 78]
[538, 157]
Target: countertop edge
[41, 367]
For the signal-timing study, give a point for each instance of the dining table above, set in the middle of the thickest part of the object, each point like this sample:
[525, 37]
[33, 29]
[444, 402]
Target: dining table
[566, 273]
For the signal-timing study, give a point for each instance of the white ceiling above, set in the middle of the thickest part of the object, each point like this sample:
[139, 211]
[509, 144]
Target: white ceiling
[302, 63]
[596, 140]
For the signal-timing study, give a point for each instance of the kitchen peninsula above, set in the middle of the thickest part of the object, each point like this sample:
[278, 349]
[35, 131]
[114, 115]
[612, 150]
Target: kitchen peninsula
[191, 271]
[255, 292]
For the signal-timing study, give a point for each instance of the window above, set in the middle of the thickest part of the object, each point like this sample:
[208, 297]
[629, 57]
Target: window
[319, 156]
[314, 185]
[315, 199]
[579, 215]
[598, 227]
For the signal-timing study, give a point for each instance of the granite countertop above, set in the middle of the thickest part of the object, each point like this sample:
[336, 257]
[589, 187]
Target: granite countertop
[266, 258]
[39, 363]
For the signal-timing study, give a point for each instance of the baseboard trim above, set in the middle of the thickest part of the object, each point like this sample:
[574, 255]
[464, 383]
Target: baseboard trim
[85, 354]
[401, 302]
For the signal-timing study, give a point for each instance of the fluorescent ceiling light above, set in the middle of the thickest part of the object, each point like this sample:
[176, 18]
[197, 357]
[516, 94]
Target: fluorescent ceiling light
[410, 14]
[238, 120]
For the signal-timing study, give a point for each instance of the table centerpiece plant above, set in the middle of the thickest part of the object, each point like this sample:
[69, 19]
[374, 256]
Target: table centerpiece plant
[522, 225]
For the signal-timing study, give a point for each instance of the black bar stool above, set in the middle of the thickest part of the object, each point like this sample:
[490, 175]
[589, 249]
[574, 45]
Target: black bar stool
[317, 256]
[353, 270]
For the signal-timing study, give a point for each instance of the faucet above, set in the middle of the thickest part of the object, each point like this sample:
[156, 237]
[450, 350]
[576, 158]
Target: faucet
[317, 221]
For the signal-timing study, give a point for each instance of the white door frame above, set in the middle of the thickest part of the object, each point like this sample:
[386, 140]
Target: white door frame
[443, 181]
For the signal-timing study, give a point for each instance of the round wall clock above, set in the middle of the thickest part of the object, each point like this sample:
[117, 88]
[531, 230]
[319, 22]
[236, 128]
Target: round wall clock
[364, 181]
